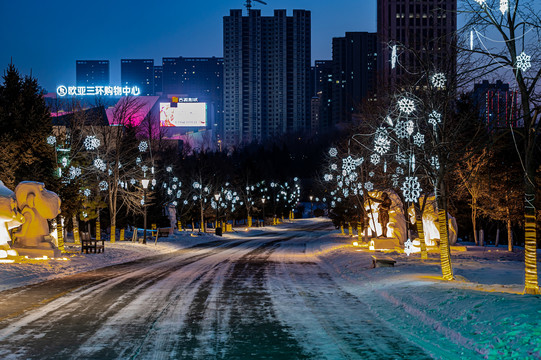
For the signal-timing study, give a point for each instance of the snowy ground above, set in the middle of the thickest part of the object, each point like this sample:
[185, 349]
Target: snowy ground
[311, 286]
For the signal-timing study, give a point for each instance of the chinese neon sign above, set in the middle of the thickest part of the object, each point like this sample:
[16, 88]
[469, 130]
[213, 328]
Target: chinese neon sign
[97, 90]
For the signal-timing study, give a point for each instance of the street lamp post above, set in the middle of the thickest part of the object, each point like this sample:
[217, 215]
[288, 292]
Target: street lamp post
[217, 198]
[311, 206]
[263, 201]
[144, 182]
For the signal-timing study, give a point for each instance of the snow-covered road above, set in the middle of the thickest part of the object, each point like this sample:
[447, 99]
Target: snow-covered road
[232, 299]
[294, 291]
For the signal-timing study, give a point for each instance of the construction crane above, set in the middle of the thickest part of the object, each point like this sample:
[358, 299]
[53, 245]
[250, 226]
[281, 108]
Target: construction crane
[249, 4]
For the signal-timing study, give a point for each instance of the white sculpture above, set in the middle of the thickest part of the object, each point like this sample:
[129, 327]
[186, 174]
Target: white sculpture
[431, 222]
[9, 218]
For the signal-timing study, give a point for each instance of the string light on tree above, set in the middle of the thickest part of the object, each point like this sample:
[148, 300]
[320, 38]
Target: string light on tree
[103, 185]
[409, 127]
[327, 177]
[435, 162]
[87, 192]
[434, 118]
[481, 2]
[74, 172]
[381, 141]
[504, 6]
[401, 129]
[99, 164]
[51, 140]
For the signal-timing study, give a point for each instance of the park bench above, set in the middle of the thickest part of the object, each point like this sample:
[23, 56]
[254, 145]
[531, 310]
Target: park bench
[164, 232]
[382, 261]
[89, 245]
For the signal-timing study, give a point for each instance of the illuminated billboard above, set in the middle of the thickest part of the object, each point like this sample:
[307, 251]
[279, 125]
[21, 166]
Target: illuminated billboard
[186, 114]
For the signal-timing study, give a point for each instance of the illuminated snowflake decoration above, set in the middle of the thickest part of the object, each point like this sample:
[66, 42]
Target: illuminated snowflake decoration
[399, 171]
[348, 164]
[408, 247]
[99, 164]
[138, 160]
[409, 127]
[175, 179]
[406, 105]
[371, 174]
[333, 152]
[434, 118]
[394, 179]
[185, 202]
[142, 202]
[435, 162]
[153, 182]
[401, 159]
[333, 203]
[419, 139]
[87, 192]
[110, 172]
[174, 186]
[132, 181]
[179, 193]
[74, 172]
[340, 184]
[91, 142]
[196, 185]
[359, 161]
[51, 140]
[346, 192]
[327, 177]
[103, 185]
[374, 159]
[523, 62]
[481, 2]
[438, 80]
[64, 161]
[381, 141]
[169, 169]
[353, 176]
[143, 146]
[368, 186]
[401, 129]
[169, 191]
[144, 168]
[411, 189]
[194, 198]
[334, 166]
[504, 6]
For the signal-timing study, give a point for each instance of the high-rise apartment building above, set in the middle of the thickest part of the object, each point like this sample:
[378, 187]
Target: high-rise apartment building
[158, 70]
[323, 88]
[354, 73]
[497, 104]
[92, 72]
[266, 75]
[416, 37]
[138, 72]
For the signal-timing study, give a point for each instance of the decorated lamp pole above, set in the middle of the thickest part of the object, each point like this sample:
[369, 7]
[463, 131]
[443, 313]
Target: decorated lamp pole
[263, 201]
[144, 182]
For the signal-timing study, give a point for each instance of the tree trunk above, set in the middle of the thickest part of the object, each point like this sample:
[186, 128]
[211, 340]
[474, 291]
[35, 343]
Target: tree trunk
[445, 251]
[530, 242]
[474, 221]
[76, 237]
[420, 230]
[509, 234]
[497, 237]
[481, 237]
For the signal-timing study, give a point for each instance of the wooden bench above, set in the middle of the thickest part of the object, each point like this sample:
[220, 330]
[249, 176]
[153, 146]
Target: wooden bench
[89, 245]
[164, 232]
[382, 261]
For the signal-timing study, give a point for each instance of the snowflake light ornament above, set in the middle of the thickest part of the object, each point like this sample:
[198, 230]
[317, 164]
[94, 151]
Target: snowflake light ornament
[334, 166]
[371, 174]
[399, 171]
[419, 139]
[103, 185]
[353, 176]
[411, 189]
[87, 192]
[374, 159]
[333, 152]
[406, 105]
[409, 127]
[74, 172]
[346, 192]
[438, 80]
[401, 129]
[144, 168]
[138, 160]
[381, 142]
[143, 146]
[481, 2]
[196, 185]
[348, 164]
[359, 161]
[91, 142]
[179, 193]
[169, 169]
[368, 186]
[327, 177]
[394, 178]
[523, 62]
[434, 118]
[51, 140]
[99, 164]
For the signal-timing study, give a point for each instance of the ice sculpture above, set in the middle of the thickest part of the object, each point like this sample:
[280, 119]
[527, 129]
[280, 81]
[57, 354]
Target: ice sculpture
[430, 222]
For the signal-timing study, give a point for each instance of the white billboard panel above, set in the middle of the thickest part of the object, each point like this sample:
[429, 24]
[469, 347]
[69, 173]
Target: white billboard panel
[184, 115]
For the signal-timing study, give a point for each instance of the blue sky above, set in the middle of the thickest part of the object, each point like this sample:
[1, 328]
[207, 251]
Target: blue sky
[48, 36]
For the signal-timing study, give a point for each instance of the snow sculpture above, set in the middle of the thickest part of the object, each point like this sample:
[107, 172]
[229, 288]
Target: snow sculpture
[37, 205]
[430, 222]
[9, 219]
[396, 227]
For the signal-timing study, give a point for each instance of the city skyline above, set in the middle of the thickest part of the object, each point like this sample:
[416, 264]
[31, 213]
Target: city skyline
[49, 26]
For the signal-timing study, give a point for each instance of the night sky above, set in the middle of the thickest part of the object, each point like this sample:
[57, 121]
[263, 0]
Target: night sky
[48, 36]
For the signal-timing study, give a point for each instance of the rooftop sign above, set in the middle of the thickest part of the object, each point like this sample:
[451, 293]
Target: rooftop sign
[97, 90]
